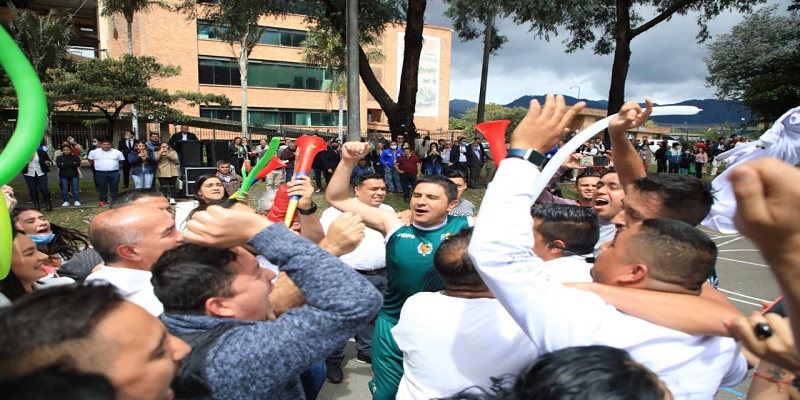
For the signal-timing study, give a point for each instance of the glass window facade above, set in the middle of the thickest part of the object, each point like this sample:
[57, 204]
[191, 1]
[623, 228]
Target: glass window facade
[214, 71]
[275, 117]
[272, 36]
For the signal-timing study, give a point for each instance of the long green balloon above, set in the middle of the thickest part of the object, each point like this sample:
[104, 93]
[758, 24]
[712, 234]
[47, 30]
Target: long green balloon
[273, 148]
[31, 120]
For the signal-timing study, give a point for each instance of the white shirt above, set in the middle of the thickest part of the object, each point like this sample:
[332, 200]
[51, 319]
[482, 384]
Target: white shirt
[133, 284]
[556, 317]
[565, 269]
[106, 160]
[370, 255]
[34, 169]
[607, 233]
[451, 343]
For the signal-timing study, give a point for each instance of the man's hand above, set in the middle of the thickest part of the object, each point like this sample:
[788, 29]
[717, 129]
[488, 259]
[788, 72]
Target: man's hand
[301, 187]
[573, 161]
[354, 151]
[222, 228]
[8, 195]
[778, 349]
[543, 126]
[629, 117]
[766, 192]
[407, 217]
[344, 235]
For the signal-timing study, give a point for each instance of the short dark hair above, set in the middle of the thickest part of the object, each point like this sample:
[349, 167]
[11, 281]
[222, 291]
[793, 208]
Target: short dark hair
[596, 372]
[129, 196]
[586, 174]
[359, 181]
[54, 326]
[186, 276]
[454, 173]
[105, 140]
[683, 197]
[675, 252]
[58, 382]
[452, 261]
[63, 146]
[577, 227]
[450, 189]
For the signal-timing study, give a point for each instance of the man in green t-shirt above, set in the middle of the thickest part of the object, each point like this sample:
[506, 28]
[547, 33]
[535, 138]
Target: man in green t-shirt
[409, 254]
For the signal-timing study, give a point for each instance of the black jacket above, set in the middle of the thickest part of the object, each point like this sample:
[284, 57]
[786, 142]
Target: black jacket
[43, 158]
[68, 165]
[173, 141]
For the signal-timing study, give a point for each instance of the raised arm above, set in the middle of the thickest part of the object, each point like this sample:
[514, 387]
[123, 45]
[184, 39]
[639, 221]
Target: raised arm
[695, 315]
[766, 191]
[337, 194]
[339, 303]
[626, 159]
[310, 228]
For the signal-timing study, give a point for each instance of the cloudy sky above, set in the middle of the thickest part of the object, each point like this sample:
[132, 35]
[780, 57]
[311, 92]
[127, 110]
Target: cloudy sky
[666, 63]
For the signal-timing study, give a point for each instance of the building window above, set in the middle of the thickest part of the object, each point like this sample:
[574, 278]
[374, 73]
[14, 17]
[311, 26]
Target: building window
[219, 72]
[275, 117]
[264, 74]
[272, 36]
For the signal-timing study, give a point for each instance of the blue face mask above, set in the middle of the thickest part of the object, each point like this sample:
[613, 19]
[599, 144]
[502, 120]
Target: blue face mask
[42, 239]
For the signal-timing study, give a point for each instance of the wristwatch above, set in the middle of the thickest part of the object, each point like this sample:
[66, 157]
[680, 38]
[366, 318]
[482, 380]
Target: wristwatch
[531, 155]
[310, 211]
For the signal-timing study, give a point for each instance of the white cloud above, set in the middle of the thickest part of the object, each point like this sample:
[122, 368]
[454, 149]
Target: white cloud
[666, 63]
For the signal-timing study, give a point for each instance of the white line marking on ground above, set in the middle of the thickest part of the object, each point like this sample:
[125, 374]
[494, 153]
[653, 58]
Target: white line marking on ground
[743, 262]
[746, 302]
[742, 295]
[738, 250]
[730, 241]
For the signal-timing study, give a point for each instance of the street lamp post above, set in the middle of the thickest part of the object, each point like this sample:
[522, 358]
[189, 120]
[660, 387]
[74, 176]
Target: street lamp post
[579, 90]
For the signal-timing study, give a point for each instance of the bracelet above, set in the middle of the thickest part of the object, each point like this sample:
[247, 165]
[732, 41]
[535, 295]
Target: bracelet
[778, 382]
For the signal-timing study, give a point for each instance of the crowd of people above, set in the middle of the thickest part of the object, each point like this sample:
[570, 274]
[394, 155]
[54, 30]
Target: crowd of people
[533, 297]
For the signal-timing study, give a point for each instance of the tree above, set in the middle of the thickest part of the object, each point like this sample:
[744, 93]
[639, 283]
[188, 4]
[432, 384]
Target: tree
[612, 26]
[237, 23]
[757, 62]
[128, 8]
[107, 86]
[373, 17]
[43, 39]
[326, 49]
[493, 112]
[468, 18]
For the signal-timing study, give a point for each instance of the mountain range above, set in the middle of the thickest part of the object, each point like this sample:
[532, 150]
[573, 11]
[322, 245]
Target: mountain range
[715, 112]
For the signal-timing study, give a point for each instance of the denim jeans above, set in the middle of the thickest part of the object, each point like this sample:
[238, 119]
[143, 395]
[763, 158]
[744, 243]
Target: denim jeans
[433, 169]
[66, 183]
[36, 185]
[143, 180]
[107, 181]
[392, 178]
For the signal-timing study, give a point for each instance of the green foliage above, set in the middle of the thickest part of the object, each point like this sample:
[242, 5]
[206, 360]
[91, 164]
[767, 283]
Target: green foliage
[127, 8]
[109, 85]
[758, 63]
[469, 20]
[43, 38]
[494, 112]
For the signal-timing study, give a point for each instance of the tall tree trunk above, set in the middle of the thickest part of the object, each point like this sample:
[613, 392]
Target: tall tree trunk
[487, 50]
[243, 75]
[407, 98]
[134, 111]
[622, 57]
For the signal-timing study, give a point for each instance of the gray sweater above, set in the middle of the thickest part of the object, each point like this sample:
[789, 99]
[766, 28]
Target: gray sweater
[263, 360]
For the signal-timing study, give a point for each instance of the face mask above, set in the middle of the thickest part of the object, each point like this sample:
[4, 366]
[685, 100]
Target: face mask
[94, 143]
[393, 147]
[44, 148]
[42, 239]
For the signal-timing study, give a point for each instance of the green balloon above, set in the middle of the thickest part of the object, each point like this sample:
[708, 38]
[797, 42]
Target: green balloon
[31, 120]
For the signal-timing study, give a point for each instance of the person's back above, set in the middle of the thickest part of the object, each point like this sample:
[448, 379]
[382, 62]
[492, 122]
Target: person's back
[439, 333]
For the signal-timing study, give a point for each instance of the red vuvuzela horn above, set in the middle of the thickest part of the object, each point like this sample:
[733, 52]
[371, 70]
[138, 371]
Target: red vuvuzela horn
[307, 148]
[495, 134]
